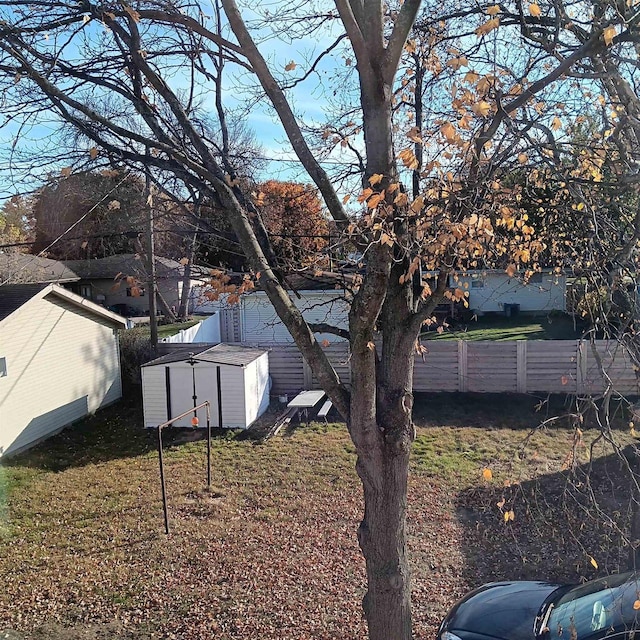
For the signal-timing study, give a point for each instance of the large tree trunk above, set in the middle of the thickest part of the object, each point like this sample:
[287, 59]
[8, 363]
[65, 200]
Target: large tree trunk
[382, 538]
[382, 428]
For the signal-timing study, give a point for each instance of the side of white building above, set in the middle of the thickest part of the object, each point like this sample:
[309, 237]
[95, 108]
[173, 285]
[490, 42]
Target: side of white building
[59, 361]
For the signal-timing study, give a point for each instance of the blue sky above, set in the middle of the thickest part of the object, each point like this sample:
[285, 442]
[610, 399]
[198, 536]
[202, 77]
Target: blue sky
[307, 100]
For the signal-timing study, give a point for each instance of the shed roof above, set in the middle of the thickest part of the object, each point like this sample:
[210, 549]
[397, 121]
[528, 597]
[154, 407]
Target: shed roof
[231, 354]
[13, 297]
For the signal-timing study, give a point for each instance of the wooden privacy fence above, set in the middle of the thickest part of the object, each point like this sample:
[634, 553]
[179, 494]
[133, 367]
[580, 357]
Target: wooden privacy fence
[518, 366]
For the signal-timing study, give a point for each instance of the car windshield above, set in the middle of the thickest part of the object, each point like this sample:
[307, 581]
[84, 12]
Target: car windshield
[595, 609]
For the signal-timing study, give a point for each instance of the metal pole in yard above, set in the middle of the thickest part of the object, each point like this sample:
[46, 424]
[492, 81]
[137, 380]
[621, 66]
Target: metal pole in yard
[208, 445]
[164, 488]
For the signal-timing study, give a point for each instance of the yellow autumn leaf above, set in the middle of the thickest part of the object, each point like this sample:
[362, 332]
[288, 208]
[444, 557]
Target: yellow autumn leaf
[636, 605]
[408, 159]
[505, 515]
[417, 204]
[471, 77]
[449, 132]
[376, 178]
[481, 108]
[414, 135]
[593, 562]
[66, 172]
[488, 27]
[371, 346]
[457, 62]
[93, 153]
[346, 198]
[608, 35]
[113, 205]
[401, 199]
[291, 66]
[410, 46]
[556, 123]
[493, 10]
[487, 474]
[511, 270]
[534, 10]
[523, 158]
[375, 200]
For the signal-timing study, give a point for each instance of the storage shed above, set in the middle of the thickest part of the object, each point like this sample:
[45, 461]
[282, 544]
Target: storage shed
[233, 378]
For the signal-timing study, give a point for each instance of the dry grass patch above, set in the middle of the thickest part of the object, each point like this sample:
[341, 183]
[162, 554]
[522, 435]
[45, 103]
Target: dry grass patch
[269, 552]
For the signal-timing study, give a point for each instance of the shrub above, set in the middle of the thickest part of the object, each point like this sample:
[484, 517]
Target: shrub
[135, 349]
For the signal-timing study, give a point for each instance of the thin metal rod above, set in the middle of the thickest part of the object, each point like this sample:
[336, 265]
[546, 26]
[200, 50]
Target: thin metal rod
[182, 415]
[208, 446]
[165, 507]
[164, 488]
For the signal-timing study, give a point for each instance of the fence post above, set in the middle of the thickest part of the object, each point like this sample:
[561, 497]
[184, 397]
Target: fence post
[521, 366]
[463, 386]
[581, 366]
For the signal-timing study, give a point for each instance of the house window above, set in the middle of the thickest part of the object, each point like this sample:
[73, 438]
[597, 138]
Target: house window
[477, 284]
[85, 291]
[3, 367]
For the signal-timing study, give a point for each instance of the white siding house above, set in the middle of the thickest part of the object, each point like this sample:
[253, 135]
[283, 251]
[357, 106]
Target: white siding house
[253, 320]
[234, 379]
[490, 291]
[59, 361]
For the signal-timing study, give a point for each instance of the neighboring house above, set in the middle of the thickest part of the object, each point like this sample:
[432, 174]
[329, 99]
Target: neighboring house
[118, 282]
[495, 291]
[59, 361]
[21, 268]
[253, 319]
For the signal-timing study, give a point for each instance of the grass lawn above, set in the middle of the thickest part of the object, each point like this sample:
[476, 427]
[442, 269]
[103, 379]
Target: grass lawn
[166, 330]
[271, 550]
[516, 328]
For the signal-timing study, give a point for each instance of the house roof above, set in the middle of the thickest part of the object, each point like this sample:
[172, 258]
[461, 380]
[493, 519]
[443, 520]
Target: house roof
[14, 297]
[231, 354]
[126, 264]
[22, 268]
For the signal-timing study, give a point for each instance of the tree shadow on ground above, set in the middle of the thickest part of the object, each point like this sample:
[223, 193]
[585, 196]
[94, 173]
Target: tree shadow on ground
[511, 410]
[556, 532]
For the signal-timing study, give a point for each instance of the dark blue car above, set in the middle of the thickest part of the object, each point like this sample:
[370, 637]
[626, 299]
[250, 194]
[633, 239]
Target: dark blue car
[608, 607]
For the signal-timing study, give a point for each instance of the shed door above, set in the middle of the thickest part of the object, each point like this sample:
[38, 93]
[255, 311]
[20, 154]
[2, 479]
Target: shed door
[181, 388]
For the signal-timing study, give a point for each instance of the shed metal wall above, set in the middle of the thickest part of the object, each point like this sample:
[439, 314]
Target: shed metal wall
[62, 363]
[244, 392]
